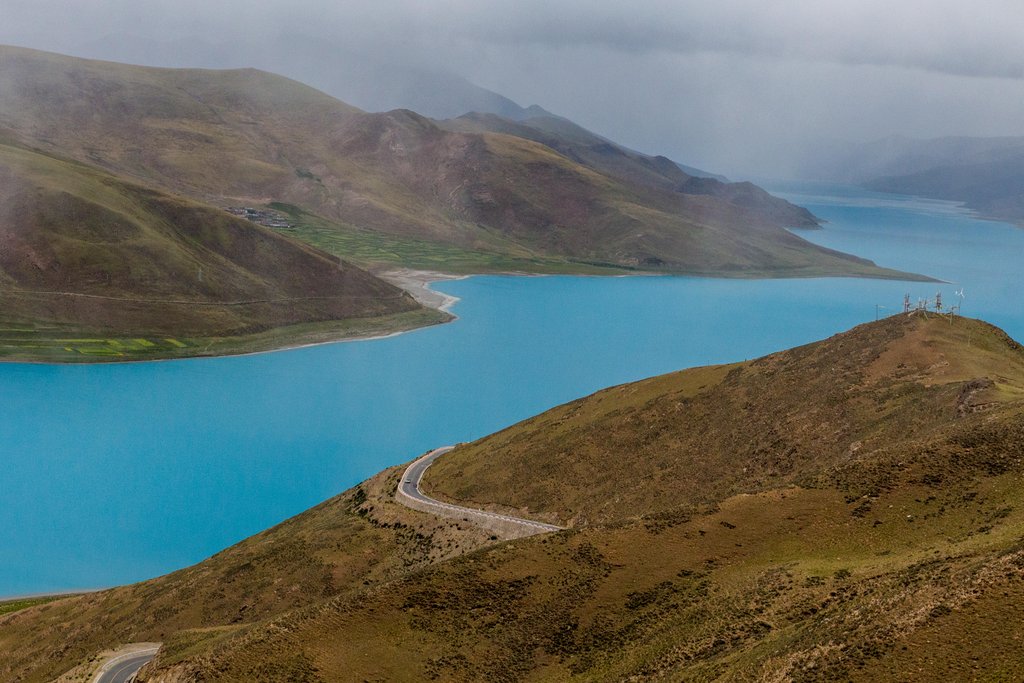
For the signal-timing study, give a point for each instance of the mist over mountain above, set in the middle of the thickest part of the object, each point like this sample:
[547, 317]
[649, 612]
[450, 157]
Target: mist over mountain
[746, 89]
[359, 79]
[242, 136]
[986, 174]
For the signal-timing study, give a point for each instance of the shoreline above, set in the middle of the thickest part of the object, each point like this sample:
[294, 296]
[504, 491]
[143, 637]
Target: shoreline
[415, 282]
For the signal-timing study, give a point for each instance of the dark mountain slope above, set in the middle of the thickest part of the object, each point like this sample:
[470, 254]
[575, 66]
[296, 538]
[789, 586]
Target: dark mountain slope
[656, 172]
[994, 189]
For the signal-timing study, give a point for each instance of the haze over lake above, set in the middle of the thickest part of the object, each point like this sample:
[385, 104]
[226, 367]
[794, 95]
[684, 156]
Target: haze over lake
[115, 473]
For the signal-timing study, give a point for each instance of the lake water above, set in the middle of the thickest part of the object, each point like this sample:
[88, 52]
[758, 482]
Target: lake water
[116, 473]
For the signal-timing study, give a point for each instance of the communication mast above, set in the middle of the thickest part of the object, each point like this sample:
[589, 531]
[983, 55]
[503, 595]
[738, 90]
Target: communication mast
[906, 303]
[938, 302]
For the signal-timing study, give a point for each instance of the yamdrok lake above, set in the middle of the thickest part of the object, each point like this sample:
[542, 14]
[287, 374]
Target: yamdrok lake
[117, 473]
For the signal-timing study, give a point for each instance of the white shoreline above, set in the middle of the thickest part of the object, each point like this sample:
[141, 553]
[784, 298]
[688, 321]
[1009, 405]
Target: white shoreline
[417, 283]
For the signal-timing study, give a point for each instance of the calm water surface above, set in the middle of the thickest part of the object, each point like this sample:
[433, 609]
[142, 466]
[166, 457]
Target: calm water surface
[117, 473]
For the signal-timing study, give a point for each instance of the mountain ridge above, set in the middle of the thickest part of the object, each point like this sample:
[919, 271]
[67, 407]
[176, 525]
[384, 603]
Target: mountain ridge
[244, 136]
[985, 174]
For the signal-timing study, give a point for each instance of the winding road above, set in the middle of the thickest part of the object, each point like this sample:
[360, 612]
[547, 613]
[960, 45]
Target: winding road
[410, 495]
[123, 669]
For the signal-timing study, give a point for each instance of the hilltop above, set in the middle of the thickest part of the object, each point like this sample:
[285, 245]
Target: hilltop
[777, 421]
[844, 510]
[394, 188]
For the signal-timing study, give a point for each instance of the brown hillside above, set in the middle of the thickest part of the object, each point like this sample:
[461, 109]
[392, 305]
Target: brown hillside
[655, 172]
[880, 565]
[84, 250]
[700, 435]
[250, 137]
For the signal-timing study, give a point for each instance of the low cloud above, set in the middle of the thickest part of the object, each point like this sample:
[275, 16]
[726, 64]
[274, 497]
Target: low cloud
[742, 86]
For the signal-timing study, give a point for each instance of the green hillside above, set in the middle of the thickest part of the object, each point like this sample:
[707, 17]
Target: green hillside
[847, 510]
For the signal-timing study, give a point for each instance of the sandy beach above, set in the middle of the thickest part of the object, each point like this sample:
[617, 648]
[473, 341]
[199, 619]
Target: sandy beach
[417, 282]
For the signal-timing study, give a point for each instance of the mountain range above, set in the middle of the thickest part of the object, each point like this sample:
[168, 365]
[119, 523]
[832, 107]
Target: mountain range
[985, 174]
[845, 510]
[478, 193]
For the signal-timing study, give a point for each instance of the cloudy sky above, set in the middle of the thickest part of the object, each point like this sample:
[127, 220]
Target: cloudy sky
[742, 87]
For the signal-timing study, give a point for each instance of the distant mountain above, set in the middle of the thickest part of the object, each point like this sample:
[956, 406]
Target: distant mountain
[353, 77]
[986, 174]
[590, 149]
[701, 173]
[432, 94]
[384, 181]
[845, 510]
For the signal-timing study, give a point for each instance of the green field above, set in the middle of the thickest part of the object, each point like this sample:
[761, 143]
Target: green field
[9, 606]
[57, 345]
[379, 251]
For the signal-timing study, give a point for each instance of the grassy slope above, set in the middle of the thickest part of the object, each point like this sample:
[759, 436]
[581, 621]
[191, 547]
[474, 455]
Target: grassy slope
[888, 519]
[93, 267]
[249, 137]
[881, 513]
[357, 540]
[700, 435]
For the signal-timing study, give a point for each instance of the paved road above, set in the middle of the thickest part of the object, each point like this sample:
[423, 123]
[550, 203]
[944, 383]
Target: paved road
[122, 669]
[409, 494]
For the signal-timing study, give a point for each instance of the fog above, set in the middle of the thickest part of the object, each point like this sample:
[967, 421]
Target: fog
[740, 87]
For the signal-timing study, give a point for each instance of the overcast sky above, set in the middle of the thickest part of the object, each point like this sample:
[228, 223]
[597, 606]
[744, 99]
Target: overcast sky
[742, 87]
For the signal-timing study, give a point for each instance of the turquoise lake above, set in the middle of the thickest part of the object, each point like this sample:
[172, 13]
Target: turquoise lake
[116, 473]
